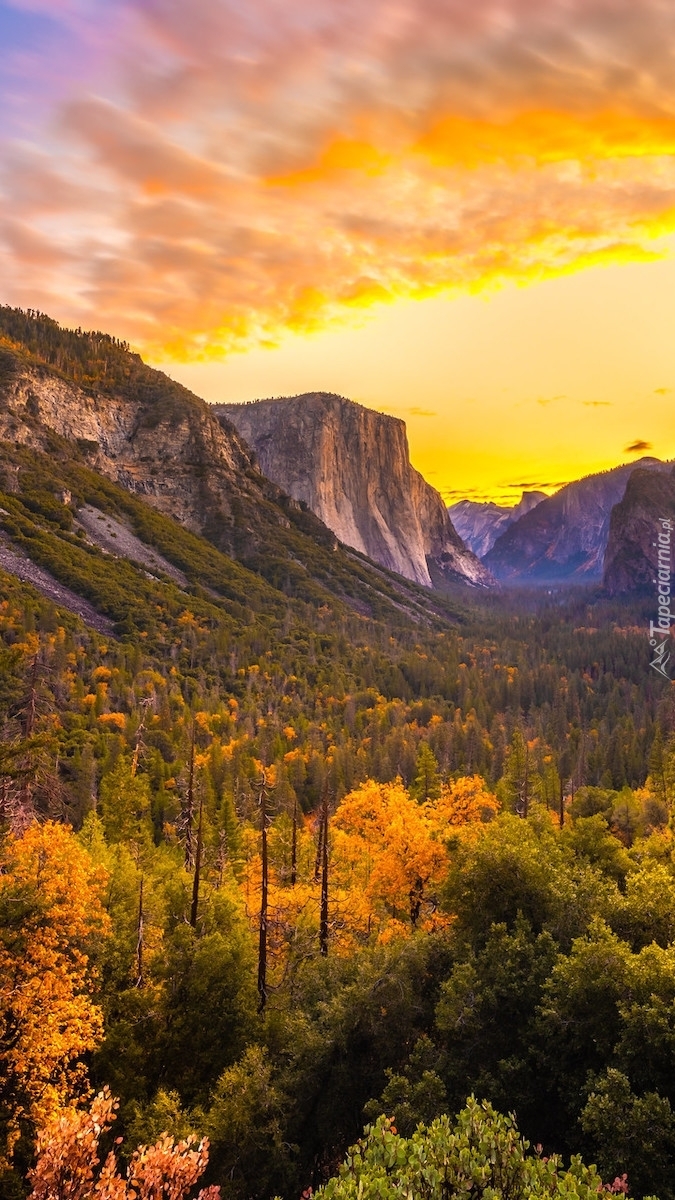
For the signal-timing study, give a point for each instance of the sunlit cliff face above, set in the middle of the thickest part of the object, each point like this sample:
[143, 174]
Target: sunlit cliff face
[218, 176]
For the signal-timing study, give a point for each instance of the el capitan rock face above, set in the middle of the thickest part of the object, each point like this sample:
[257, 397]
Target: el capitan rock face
[351, 467]
[480, 524]
[563, 539]
[631, 559]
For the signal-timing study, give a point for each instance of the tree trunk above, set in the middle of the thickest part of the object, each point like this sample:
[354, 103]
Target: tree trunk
[198, 864]
[31, 705]
[189, 809]
[139, 938]
[294, 844]
[323, 924]
[319, 849]
[416, 896]
[262, 942]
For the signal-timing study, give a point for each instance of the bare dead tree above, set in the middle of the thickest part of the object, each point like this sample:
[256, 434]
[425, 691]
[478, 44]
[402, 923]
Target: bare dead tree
[294, 844]
[262, 941]
[145, 706]
[323, 921]
[189, 806]
[30, 708]
[140, 923]
[198, 863]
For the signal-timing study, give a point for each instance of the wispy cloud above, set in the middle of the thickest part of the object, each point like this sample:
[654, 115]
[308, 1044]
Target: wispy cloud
[637, 446]
[238, 170]
[543, 485]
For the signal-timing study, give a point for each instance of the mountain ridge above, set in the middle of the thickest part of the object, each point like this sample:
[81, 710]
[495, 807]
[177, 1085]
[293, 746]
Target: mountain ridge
[631, 560]
[563, 539]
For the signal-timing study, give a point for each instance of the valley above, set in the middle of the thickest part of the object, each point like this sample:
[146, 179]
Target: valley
[303, 840]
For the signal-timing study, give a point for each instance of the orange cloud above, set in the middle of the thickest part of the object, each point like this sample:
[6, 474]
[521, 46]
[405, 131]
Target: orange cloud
[546, 137]
[469, 143]
[341, 154]
[136, 150]
[244, 173]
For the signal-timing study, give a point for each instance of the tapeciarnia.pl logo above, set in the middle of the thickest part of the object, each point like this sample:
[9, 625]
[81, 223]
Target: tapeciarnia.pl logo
[659, 630]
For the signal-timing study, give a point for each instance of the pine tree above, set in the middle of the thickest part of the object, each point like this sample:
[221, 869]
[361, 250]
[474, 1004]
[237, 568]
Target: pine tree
[427, 782]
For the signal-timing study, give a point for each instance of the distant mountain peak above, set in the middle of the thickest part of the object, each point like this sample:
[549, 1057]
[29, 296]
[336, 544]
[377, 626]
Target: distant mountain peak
[480, 523]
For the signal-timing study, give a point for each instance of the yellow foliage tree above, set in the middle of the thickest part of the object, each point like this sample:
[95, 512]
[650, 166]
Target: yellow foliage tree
[50, 912]
[465, 802]
[387, 860]
[388, 844]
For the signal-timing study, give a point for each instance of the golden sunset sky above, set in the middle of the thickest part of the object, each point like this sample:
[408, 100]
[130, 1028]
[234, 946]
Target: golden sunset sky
[460, 213]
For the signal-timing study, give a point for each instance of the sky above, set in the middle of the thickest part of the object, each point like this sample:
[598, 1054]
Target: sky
[460, 212]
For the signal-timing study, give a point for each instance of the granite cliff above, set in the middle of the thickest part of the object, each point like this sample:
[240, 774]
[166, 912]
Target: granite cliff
[480, 524]
[631, 558]
[351, 467]
[565, 537]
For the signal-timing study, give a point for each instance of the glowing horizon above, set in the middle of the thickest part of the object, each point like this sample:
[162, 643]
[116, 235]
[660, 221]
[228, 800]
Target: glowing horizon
[258, 192]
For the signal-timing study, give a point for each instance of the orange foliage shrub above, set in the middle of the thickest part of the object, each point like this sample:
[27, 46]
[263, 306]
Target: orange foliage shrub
[68, 1158]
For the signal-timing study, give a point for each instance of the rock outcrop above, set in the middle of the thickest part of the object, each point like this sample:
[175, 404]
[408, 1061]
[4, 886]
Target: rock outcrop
[351, 467]
[480, 524]
[149, 454]
[156, 439]
[631, 558]
[563, 539]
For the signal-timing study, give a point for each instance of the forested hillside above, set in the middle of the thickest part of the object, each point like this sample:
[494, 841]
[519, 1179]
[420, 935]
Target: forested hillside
[447, 937]
[281, 856]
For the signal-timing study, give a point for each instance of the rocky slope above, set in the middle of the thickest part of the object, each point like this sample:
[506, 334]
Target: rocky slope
[631, 558]
[564, 538]
[351, 467]
[479, 525]
[162, 444]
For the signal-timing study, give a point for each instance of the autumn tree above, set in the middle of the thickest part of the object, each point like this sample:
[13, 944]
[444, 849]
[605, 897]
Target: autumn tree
[391, 841]
[465, 801]
[50, 914]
